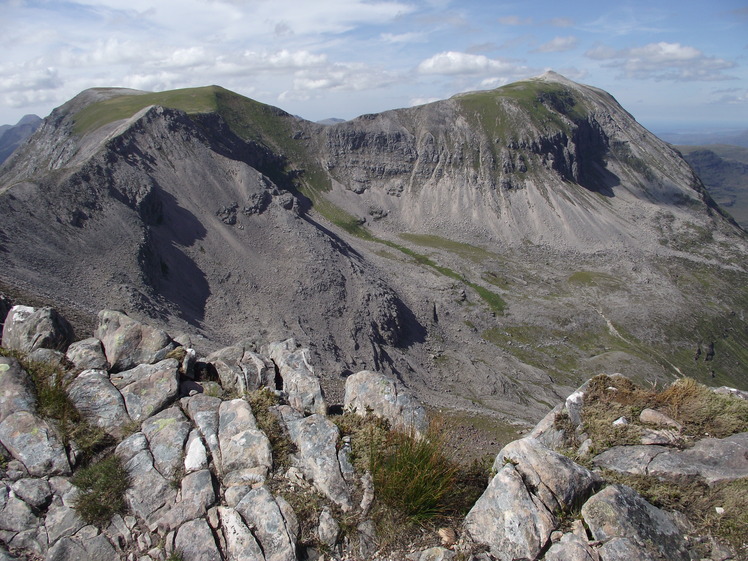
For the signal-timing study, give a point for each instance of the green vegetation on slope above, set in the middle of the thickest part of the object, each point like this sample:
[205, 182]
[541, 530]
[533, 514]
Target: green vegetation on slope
[100, 113]
[543, 102]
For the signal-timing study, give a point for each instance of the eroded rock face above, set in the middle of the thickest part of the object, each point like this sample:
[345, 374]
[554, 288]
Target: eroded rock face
[27, 329]
[300, 382]
[508, 518]
[204, 484]
[242, 370]
[99, 401]
[371, 391]
[712, 459]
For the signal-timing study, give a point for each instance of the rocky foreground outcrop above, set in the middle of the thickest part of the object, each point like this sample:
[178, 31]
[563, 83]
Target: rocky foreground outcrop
[208, 479]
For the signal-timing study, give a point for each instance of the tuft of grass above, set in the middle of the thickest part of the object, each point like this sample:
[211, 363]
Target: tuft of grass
[696, 407]
[414, 475]
[53, 404]
[280, 443]
[702, 411]
[102, 490]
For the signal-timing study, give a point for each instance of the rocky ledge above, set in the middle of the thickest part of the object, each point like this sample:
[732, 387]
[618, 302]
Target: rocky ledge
[236, 456]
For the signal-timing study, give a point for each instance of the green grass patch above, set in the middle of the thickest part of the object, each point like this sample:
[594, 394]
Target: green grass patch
[100, 113]
[102, 490]
[466, 251]
[280, 442]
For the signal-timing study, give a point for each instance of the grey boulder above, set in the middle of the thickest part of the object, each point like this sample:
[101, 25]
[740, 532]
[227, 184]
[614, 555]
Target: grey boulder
[620, 513]
[384, 397]
[241, 370]
[16, 388]
[87, 354]
[148, 388]
[300, 383]
[27, 329]
[128, 342]
[99, 401]
[33, 442]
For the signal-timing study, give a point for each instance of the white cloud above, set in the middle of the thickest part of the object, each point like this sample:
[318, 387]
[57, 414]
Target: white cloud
[351, 77]
[663, 61]
[557, 45]
[410, 37]
[515, 20]
[732, 96]
[422, 101]
[24, 78]
[561, 22]
[452, 63]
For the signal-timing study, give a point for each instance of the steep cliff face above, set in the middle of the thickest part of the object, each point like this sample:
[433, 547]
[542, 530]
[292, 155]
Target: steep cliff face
[170, 217]
[493, 250]
[544, 161]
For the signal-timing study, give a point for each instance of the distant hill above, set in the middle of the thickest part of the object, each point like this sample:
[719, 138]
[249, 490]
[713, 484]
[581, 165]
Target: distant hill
[331, 121]
[11, 136]
[733, 137]
[724, 170]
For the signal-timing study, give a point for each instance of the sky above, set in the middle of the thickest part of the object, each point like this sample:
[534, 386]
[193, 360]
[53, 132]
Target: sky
[675, 65]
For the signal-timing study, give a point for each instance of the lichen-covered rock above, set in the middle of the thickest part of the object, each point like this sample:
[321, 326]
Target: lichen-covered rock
[196, 496]
[509, 518]
[167, 432]
[94, 395]
[195, 455]
[33, 442]
[262, 513]
[384, 397]
[195, 542]
[560, 483]
[148, 388]
[572, 548]
[713, 459]
[87, 354]
[27, 329]
[17, 516]
[316, 439]
[149, 490]
[16, 388]
[300, 383]
[240, 543]
[34, 492]
[619, 512]
[128, 342]
[246, 455]
[203, 410]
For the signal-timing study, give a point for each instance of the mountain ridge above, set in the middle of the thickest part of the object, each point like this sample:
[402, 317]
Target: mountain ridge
[492, 250]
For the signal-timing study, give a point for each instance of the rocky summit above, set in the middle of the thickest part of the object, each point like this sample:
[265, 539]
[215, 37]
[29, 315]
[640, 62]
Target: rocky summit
[129, 445]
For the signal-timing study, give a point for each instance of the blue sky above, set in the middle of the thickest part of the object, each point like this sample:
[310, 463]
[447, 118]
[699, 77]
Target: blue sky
[673, 65]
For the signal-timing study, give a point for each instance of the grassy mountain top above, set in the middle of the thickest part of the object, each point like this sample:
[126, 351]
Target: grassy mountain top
[100, 113]
[544, 102]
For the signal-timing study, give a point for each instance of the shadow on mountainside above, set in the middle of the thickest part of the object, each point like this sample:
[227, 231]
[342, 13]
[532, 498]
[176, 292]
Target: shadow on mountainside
[168, 269]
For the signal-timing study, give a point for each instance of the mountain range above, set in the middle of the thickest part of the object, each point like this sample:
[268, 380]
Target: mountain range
[492, 250]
